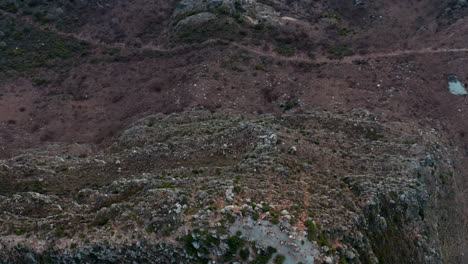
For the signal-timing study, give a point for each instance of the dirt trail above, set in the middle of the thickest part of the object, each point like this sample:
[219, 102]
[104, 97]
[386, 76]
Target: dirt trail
[350, 59]
[296, 58]
[397, 53]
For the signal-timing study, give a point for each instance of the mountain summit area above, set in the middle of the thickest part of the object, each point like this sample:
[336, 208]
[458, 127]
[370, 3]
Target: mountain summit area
[234, 131]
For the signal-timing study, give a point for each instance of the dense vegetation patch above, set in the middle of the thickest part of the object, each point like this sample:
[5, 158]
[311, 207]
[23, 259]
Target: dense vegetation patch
[46, 11]
[223, 29]
[23, 48]
[339, 51]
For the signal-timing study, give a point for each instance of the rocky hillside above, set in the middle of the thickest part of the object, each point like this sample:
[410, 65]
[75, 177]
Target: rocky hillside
[233, 131]
[199, 186]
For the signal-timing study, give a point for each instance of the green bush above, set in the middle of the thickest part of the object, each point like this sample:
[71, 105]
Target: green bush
[223, 10]
[60, 232]
[149, 229]
[244, 254]
[322, 240]
[332, 15]
[280, 259]
[211, 240]
[290, 104]
[239, 18]
[231, 219]
[344, 32]
[256, 216]
[103, 221]
[9, 7]
[40, 82]
[39, 49]
[165, 185]
[285, 50]
[237, 189]
[339, 51]
[311, 230]
[221, 29]
[20, 232]
[260, 67]
[275, 220]
[167, 231]
[264, 256]
[234, 243]
[259, 27]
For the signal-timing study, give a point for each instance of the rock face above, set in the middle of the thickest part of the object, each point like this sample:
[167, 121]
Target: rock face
[196, 5]
[168, 189]
[100, 253]
[253, 10]
[199, 21]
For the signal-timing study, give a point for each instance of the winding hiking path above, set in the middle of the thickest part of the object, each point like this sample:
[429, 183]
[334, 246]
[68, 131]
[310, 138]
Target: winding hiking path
[350, 59]
[297, 58]
[403, 52]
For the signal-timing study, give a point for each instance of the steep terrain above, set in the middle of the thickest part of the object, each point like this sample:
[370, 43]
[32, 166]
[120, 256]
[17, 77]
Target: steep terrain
[356, 189]
[152, 131]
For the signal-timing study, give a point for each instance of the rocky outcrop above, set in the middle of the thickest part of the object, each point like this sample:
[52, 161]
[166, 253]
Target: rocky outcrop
[253, 11]
[200, 186]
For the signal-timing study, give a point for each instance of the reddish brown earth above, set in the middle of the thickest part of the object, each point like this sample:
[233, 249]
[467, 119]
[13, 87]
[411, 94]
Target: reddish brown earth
[404, 50]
